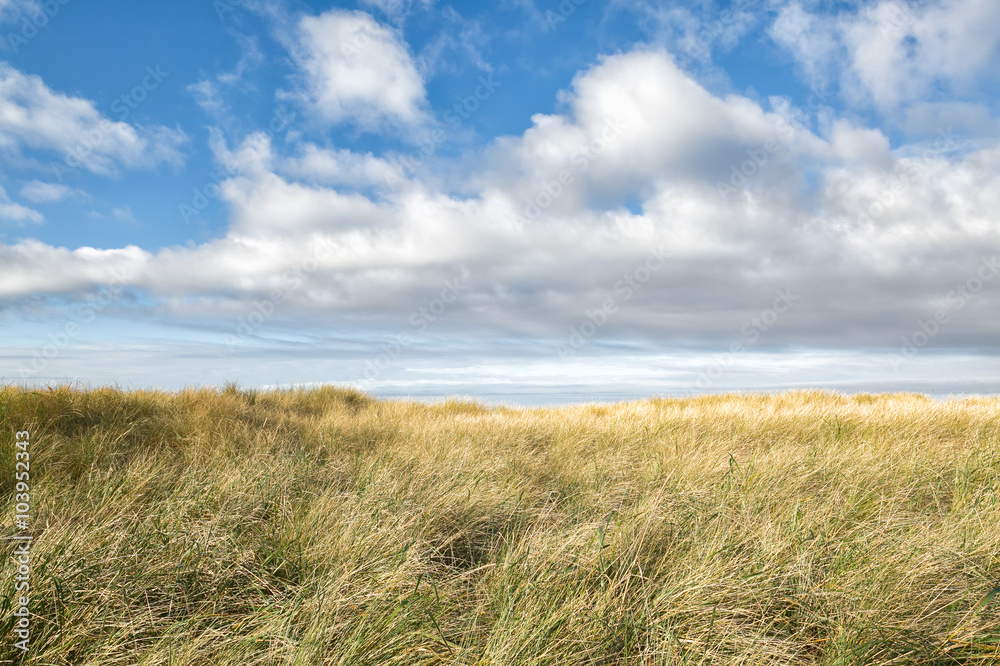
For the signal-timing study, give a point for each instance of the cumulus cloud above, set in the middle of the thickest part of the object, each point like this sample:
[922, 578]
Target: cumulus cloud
[931, 117]
[896, 52]
[359, 71]
[35, 267]
[34, 117]
[634, 136]
[814, 40]
[550, 224]
[341, 168]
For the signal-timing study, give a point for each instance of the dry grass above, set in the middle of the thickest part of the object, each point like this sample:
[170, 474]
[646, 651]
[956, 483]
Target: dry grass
[322, 527]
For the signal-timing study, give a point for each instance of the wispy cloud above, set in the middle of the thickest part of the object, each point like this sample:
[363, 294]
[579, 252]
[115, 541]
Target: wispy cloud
[891, 53]
[13, 211]
[41, 192]
[34, 117]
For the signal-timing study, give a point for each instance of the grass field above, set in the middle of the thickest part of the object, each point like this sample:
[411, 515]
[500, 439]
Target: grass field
[322, 527]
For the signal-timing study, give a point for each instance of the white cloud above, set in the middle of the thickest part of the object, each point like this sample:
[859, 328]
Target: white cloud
[892, 53]
[357, 70]
[42, 192]
[397, 10]
[13, 9]
[459, 42]
[34, 117]
[342, 167]
[899, 51]
[862, 147]
[933, 117]
[811, 38]
[659, 138]
[123, 214]
[796, 222]
[208, 93]
[688, 33]
[14, 211]
[34, 267]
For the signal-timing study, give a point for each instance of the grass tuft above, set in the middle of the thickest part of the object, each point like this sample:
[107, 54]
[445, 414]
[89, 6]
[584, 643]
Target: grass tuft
[323, 526]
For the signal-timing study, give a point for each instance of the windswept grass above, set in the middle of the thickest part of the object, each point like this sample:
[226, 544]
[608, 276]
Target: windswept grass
[322, 527]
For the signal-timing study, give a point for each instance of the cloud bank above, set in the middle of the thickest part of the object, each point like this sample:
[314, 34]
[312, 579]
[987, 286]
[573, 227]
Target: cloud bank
[872, 241]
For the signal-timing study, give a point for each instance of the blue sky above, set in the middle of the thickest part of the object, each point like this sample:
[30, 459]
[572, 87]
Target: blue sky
[524, 200]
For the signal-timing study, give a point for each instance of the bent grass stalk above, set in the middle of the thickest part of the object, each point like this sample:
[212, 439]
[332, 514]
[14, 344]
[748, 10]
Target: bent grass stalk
[325, 527]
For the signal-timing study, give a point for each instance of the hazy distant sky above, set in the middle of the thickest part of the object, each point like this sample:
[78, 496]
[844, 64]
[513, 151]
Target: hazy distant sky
[530, 199]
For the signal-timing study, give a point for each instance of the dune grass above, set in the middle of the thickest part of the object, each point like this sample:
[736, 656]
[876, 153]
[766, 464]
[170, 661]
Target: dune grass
[324, 527]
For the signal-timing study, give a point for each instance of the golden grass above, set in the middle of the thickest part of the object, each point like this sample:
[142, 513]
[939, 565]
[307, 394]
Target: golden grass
[323, 527]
